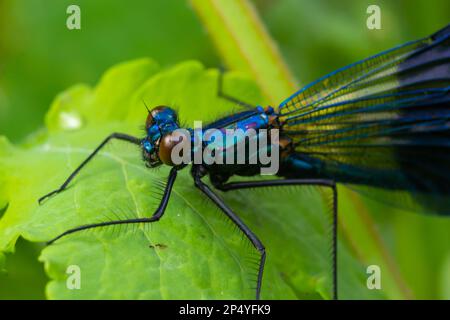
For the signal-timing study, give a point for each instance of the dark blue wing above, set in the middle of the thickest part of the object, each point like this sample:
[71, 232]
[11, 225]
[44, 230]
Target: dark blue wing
[381, 122]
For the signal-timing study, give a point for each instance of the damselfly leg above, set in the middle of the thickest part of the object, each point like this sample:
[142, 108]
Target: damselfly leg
[239, 223]
[118, 136]
[225, 96]
[290, 182]
[155, 217]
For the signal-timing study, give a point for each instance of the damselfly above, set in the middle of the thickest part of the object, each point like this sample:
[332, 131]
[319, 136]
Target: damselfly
[381, 123]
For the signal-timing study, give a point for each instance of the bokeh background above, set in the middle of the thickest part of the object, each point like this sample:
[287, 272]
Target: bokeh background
[40, 57]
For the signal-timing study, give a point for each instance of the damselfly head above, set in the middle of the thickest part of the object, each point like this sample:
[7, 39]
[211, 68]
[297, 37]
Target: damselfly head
[157, 145]
[159, 115]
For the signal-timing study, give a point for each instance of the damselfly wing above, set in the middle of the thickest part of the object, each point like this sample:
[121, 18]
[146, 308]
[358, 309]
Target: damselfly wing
[381, 122]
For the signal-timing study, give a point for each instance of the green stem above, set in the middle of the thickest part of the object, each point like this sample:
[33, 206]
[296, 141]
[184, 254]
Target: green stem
[245, 45]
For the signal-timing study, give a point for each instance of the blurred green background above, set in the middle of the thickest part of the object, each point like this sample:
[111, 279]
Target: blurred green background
[40, 57]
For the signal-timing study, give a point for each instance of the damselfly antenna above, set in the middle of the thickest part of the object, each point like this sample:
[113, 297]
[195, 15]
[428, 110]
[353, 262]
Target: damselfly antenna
[146, 107]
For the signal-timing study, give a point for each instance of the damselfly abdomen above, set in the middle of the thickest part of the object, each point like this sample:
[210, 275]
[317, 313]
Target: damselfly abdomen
[381, 123]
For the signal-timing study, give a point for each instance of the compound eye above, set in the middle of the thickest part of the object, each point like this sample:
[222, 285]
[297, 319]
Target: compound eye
[160, 113]
[167, 143]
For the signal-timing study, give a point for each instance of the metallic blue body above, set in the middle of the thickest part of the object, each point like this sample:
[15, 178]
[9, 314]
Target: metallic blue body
[255, 119]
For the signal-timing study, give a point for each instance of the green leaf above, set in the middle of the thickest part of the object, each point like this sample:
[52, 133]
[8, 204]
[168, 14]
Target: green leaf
[2, 263]
[445, 279]
[193, 252]
[22, 276]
